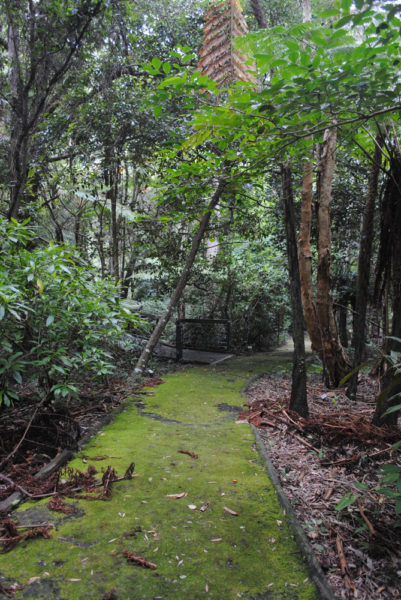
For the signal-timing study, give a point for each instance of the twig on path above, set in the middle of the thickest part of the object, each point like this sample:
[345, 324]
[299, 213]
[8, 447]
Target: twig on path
[344, 564]
[138, 560]
[15, 485]
[355, 457]
[365, 518]
[306, 443]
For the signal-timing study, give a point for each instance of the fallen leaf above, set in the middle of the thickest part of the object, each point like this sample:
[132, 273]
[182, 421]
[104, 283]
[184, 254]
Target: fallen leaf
[204, 507]
[231, 512]
[217, 540]
[138, 560]
[181, 495]
[73, 579]
[192, 506]
[32, 580]
[191, 454]
[206, 588]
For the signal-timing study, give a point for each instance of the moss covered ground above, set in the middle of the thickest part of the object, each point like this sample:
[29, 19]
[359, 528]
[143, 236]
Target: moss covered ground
[209, 554]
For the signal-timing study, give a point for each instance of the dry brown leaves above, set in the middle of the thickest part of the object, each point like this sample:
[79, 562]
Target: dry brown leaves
[12, 534]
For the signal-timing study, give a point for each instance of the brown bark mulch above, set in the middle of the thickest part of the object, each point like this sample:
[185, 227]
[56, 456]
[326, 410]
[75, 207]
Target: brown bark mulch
[319, 460]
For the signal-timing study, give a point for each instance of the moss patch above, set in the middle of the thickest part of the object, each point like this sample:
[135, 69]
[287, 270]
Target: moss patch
[200, 554]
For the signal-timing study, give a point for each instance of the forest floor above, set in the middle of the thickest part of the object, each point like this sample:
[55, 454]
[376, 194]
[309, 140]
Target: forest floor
[182, 509]
[319, 462]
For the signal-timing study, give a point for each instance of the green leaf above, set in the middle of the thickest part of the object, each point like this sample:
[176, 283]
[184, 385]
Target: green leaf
[361, 486]
[346, 501]
[17, 376]
[49, 320]
[332, 12]
[157, 111]
[156, 63]
[2, 312]
[391, 469]
[167, 67]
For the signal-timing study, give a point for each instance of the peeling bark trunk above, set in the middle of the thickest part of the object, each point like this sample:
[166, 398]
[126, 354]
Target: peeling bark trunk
[305, 259]
[196, 241]
[365, 255]
[332, 353]
[304, 253]
[298, 401]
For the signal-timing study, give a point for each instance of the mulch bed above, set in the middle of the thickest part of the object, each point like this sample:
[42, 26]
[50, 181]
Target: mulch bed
[319, 461]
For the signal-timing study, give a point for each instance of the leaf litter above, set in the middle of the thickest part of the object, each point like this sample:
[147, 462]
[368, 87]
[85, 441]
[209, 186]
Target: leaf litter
[319, 460]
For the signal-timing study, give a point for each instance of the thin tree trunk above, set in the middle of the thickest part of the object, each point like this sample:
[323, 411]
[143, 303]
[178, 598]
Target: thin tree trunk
[391, 238]
[305, 259]
[298, 401]
[196, 241]
[332, 353]
[365, 255]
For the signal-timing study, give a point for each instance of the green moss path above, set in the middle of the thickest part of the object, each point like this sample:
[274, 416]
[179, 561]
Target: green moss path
[200, 554]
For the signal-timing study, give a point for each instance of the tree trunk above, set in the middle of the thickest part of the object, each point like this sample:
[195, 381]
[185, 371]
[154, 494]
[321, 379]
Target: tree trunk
[365, 255]
[196, 241]
[298, 401]
[259, 14]
[332, 353]
[391, 255]
[305, 259]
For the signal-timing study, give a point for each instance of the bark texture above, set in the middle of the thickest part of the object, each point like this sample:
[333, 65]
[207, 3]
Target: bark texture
[334, 358]
[305, 259]
[182, 281]
[365, 256]
[298, 401]
[259, 14]
[390, 270]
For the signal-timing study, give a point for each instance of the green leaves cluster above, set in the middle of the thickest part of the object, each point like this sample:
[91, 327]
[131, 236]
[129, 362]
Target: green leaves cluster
[56, 318]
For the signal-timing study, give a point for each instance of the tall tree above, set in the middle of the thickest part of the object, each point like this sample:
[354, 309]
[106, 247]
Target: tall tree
[42, 42]
[298, 400]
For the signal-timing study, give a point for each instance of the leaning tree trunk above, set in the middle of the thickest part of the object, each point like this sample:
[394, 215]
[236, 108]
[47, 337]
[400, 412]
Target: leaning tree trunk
[332, 353]
[298, 401]
[196, 241]
[365, 255]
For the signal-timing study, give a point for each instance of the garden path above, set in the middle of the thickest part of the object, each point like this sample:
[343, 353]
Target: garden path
[224, 535]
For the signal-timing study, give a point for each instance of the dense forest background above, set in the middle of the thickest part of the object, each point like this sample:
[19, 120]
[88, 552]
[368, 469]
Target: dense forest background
[128, 171]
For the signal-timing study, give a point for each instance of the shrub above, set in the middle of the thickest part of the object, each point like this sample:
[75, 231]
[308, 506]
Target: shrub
[57, 319]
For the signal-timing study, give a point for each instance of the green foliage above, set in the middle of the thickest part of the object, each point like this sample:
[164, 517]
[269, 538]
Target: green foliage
[56, 318]
[389, 485]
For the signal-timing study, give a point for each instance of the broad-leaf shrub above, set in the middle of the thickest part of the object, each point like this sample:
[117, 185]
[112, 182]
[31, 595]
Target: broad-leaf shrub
[57, 319]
